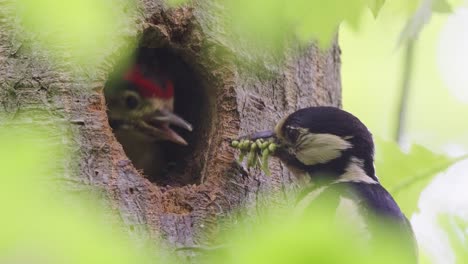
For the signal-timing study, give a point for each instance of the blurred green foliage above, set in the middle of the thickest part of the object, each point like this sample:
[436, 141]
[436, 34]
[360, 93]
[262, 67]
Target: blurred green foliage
[41, 224]
[274, 22]
[80, 32]
[37, 226]
[311, 238]
[256, 27]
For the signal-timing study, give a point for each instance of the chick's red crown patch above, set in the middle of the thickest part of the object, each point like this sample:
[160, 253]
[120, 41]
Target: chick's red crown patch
[149, 88]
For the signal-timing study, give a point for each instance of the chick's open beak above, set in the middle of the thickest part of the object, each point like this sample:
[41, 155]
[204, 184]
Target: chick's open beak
[158, 125]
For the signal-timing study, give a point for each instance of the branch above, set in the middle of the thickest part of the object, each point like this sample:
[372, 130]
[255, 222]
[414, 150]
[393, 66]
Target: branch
[405, 88]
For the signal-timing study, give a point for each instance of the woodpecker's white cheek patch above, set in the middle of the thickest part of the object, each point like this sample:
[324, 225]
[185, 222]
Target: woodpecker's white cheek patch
[314, 149]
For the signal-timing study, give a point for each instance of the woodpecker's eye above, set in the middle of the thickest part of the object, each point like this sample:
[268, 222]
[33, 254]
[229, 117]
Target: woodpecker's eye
[292, 133]
[132, 100]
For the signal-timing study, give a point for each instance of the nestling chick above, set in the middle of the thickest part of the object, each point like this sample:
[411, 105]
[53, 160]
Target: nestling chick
[140, 101]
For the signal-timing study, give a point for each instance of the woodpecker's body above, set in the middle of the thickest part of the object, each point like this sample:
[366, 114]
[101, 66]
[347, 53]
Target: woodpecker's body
[140, 100]
[335, 151]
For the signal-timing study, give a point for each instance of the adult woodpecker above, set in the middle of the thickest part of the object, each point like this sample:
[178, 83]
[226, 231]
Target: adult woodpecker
[140, 101]
[335, 150]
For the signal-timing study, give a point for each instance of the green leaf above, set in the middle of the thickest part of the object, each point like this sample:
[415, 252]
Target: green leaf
[405, 175]
[442, 6]
[375, 6]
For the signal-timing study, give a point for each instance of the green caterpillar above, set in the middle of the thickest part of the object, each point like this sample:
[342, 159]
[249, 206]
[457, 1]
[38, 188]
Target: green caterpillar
[257, 152]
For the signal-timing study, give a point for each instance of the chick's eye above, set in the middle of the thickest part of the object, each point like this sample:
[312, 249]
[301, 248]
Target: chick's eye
[132, 101]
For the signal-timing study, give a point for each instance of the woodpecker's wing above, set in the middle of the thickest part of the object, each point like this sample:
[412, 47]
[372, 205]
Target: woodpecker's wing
[366, 207]
[374, 198]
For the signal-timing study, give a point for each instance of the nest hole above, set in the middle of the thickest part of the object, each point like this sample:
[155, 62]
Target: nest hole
[176, 165]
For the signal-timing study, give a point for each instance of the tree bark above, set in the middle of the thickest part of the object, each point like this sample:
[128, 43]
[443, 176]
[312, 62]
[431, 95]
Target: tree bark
[234, 102]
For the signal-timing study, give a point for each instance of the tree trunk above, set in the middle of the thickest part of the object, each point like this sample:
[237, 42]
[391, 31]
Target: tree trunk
[228, 101]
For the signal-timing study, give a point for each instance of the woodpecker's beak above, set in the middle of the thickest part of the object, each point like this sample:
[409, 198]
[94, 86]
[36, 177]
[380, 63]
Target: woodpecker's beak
[267, 134]
[158, 124]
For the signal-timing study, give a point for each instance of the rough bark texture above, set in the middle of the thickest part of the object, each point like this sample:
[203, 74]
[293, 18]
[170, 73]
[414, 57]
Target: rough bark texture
[235, 103]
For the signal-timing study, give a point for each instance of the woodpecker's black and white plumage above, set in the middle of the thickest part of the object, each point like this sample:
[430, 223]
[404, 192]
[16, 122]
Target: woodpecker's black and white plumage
[140, 101]
[335, 150]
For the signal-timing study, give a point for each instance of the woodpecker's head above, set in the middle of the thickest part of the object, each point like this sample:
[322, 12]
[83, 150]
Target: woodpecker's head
[323, 140]
[141, 98]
